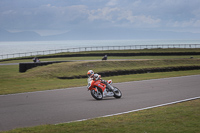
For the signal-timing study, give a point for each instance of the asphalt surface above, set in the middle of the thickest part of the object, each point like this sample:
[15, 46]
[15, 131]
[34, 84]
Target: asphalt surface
[70, 104]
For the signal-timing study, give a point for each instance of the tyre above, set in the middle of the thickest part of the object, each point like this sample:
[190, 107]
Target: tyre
[97, 95]
[117, 93]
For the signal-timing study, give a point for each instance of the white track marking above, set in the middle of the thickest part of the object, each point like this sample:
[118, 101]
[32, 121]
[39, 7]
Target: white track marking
[189, 99]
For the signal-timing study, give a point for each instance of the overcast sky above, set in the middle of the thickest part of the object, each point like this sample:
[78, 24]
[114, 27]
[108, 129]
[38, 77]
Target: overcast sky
[59, 16]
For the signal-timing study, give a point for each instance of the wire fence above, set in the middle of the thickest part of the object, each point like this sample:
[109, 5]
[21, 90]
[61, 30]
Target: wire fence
[99, 48]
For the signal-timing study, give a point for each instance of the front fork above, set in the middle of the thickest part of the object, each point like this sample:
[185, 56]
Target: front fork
[110, 87]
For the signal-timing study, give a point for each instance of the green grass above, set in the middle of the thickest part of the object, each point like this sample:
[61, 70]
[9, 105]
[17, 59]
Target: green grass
[180, 118]
[81, 68]
[45, 77]
[177, 118]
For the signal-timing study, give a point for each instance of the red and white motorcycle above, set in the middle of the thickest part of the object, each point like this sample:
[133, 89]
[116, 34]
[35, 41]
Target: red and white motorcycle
[100, 89]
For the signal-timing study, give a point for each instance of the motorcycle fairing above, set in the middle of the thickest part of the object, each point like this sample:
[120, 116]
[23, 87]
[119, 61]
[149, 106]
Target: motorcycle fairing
[94, 84]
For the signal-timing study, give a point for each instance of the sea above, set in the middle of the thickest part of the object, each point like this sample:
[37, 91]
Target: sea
[33, 46]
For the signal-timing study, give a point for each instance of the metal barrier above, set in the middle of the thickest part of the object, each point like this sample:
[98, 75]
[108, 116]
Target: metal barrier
[99, 48]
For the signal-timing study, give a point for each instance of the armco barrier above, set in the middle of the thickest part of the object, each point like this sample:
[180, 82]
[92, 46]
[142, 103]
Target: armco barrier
[138, 71]
[23, 67]
[98, 48]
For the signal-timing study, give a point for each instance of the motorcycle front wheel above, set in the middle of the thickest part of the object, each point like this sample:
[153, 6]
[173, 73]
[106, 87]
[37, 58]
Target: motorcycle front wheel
[97, 95]
[117, 93]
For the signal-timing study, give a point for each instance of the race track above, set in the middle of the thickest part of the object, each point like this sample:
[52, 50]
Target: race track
[70, 104]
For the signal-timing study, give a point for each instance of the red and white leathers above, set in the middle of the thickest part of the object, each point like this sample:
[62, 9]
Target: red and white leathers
[96, 78]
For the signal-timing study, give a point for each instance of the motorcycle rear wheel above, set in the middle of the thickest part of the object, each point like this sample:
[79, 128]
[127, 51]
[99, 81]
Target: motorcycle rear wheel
[117, 93]
[97, 95]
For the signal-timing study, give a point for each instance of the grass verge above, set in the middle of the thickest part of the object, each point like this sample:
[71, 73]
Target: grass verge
[182, 117]
[178, 118]
[45, 77]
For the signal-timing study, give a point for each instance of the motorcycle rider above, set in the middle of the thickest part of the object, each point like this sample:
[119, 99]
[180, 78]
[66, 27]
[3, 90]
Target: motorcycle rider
[95, 76]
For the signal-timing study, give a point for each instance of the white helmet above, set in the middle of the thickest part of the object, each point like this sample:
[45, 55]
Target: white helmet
[90, 73]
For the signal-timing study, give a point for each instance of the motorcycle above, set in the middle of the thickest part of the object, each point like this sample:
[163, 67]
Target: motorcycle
[100, 89]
